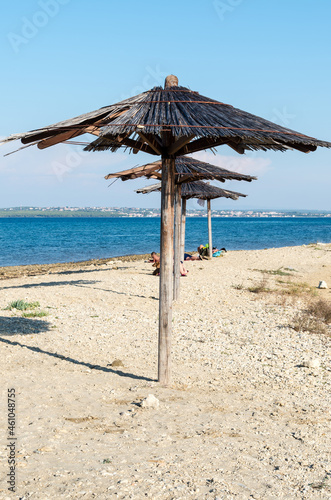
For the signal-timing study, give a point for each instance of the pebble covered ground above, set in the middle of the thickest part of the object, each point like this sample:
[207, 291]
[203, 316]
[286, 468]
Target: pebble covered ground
[247, 415]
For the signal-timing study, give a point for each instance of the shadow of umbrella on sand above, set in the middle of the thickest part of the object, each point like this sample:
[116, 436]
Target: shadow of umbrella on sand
[170, 122]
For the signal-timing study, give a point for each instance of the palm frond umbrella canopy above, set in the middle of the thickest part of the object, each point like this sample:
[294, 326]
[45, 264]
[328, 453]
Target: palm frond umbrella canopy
[202, 191]
[188, 169]
[142, 121]
[171, 122]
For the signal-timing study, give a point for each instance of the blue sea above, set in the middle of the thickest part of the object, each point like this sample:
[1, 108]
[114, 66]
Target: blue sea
[51, 240]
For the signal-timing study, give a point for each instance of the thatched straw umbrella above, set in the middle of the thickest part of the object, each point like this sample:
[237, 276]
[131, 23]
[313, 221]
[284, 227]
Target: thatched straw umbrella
[188, 169]
[202, 191]
[171, 122]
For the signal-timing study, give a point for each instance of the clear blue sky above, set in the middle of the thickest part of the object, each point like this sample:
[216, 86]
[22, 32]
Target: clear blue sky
[62, 58]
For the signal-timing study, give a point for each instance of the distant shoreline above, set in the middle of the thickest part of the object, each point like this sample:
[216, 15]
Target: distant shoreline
[215, 214]
[148, 213]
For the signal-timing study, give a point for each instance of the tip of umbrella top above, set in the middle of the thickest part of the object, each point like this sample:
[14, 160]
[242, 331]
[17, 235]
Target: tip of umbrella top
[171, 81]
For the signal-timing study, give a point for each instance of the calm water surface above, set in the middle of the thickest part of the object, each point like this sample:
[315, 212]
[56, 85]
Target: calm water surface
[49, 240]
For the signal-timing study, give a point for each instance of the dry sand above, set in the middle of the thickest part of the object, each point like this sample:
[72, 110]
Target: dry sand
[243, 418]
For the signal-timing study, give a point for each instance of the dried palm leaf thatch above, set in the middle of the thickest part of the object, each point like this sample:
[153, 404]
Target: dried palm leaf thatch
[192, 121]
[187, 170]
[197, 189]
[198, 120]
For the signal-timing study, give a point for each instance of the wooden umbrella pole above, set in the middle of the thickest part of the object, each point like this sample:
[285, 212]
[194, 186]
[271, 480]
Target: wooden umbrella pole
[182, 230]
[177, 253]
[210, 241]
[166, 270]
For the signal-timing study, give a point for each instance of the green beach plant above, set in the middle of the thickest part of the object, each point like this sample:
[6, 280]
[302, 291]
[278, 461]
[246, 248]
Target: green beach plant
[20, 305]
[276, 272]
[35, 314]
[299, 288]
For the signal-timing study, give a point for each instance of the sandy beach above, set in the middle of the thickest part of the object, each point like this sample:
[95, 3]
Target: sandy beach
[247, 415]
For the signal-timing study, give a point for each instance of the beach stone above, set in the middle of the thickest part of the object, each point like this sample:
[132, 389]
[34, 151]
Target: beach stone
[322, 284]
[124, 414]
[311, 363]
[150, 402]
[117, 362]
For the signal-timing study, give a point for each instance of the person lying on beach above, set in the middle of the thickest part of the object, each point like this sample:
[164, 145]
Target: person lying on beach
[155, 259]
[188, 256]
[204, 250]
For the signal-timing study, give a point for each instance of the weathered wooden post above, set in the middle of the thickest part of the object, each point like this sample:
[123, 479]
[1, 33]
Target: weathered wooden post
[166, 270]
[182, 230]
[210, 241]
[177, 236]
[166, 253]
